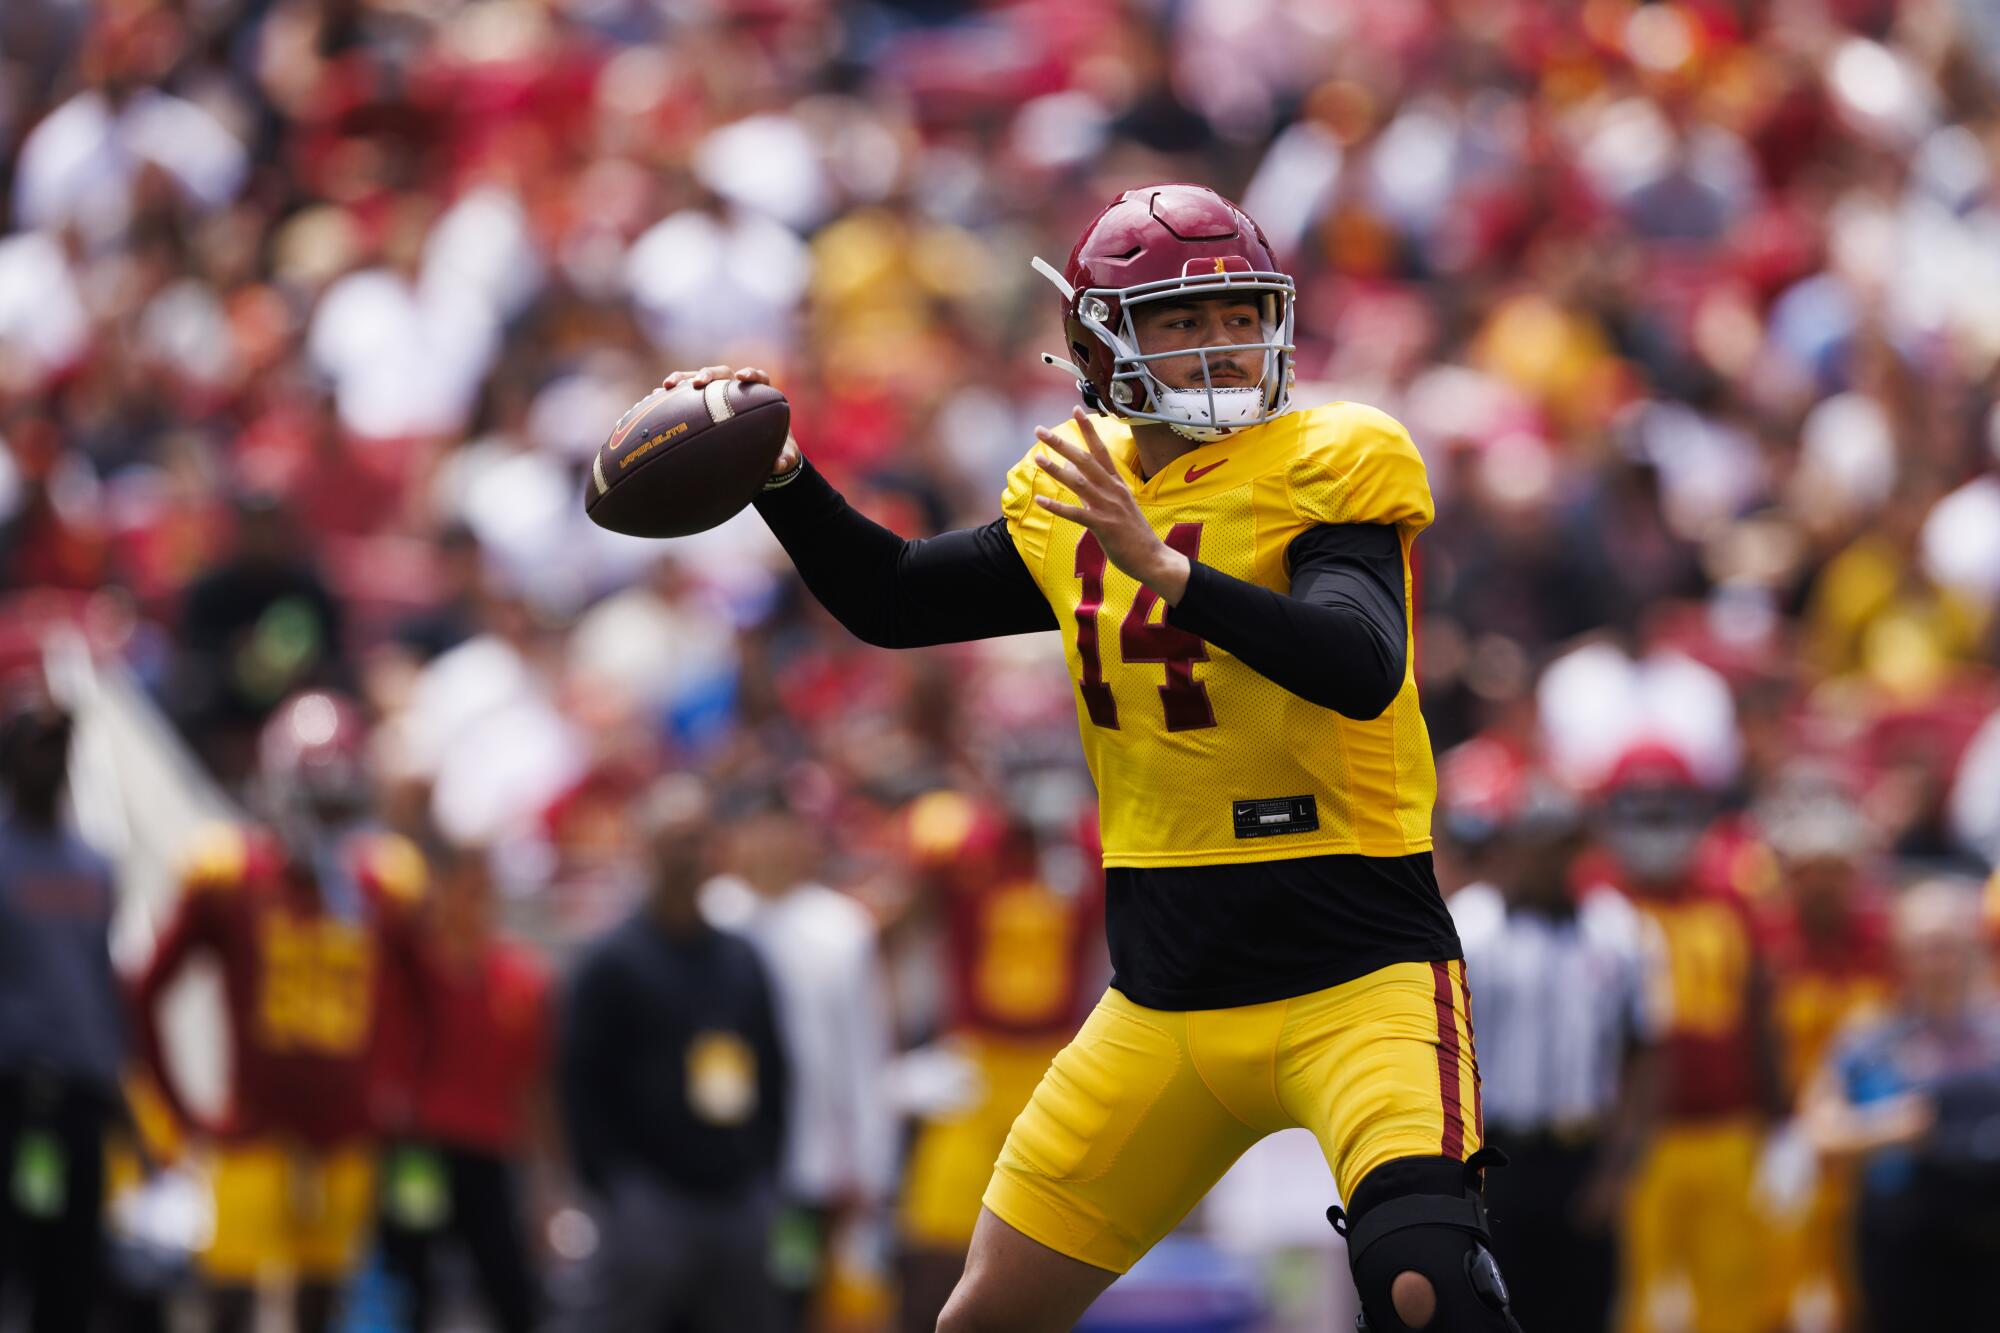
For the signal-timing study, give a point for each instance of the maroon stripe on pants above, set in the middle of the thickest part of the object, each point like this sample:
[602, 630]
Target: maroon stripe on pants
[1453, 1144]
[1472, 1036]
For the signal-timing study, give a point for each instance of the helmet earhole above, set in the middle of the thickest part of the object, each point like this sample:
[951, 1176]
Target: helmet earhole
[1121, 394]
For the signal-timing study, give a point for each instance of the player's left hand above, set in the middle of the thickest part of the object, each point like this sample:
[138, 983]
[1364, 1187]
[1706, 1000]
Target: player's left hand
[1110, 510]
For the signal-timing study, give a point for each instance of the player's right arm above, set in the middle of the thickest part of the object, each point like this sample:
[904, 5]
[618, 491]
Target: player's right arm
[213, 871]
[886, 590]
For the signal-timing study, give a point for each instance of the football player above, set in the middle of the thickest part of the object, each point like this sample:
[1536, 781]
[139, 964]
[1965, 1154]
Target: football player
[1231, 578]
[1021, 957]
[306, 920]
[1693, 1227]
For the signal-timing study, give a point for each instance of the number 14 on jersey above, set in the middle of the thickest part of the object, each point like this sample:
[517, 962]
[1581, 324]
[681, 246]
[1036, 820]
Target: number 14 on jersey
[1141, 641]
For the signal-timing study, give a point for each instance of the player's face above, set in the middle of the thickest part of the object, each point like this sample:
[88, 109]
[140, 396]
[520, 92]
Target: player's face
[1213, 321]
[1655, 831]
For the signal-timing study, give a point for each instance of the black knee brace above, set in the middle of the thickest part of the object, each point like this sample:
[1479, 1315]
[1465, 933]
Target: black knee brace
[1425, 1215]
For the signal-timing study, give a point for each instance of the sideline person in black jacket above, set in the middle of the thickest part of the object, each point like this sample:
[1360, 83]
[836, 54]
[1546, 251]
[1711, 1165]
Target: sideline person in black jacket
[672, 1083]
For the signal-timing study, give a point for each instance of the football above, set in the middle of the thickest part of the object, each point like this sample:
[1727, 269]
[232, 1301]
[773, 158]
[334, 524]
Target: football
[683, 460]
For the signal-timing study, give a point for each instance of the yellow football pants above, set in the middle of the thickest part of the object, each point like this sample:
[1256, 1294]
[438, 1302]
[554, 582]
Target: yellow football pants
[1143, 1112]
[1691, 1227]
[954, 1154]
[287, 1210]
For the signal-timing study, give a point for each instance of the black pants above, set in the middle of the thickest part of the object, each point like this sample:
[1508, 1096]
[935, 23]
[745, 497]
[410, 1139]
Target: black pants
[484, 1216]
[59, 1257]
[1561, 1276]
[672, 1260]
[1924, 1265]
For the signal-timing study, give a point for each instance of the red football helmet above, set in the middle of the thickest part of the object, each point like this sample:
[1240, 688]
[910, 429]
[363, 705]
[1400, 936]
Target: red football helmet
[312, 760]
[1171, 242]
[1654, 813]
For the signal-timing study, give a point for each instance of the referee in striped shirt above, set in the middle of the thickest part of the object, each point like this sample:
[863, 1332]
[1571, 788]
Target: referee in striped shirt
[1563, 1039]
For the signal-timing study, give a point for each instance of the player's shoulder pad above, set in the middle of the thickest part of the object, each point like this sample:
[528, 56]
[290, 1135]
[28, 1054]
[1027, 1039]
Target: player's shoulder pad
[391, 865]
[1356, 464]
[1017, 497]
[1026, 479]
[218, 859]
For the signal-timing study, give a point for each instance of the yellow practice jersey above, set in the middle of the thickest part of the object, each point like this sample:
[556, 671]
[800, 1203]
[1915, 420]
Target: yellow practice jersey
[1200, 760]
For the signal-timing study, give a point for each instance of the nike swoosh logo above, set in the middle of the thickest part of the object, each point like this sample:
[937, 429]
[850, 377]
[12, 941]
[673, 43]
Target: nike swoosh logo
[1197, 473]
[632, 418]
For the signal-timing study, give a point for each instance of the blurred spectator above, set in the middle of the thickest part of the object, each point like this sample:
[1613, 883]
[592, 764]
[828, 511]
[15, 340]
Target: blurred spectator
[255, 627]
[718, 278]
[1913, 1095]
[480, 1028]
[87, 162]
[1565, 1058]
[481, 725]
[305, 918]
[818, 947]
[1022, 964]
[406, 345]
[674, 1090]
[1695, 1243]
[1975, 795]
[462, 585]
[62, 1039]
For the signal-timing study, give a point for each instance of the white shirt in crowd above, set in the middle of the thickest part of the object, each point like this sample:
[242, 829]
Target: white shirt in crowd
[1555, 1001]
[79, 164]
[819, 945]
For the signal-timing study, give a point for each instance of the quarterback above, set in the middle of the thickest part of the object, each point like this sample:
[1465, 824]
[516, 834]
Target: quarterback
[1231, 578]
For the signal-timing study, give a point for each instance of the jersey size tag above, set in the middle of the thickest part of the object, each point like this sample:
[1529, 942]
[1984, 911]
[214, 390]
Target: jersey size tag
[1274, 815]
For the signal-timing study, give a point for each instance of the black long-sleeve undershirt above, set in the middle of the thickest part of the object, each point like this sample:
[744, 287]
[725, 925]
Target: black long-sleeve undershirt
[898, 593]
[1336, 641]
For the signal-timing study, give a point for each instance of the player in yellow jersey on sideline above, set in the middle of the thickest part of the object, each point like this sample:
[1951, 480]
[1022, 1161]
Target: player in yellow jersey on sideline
[1231, 578]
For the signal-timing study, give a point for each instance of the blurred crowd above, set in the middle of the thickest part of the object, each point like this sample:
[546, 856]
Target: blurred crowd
[313, 312]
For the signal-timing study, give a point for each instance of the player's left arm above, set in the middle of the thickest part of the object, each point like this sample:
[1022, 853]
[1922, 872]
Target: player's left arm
[1337, 640]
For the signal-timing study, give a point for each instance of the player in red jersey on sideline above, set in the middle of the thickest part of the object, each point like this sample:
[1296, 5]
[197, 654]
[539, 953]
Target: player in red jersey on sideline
[1022, 960]
[305, 919]
[1692, 1233]
[473, 1065]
